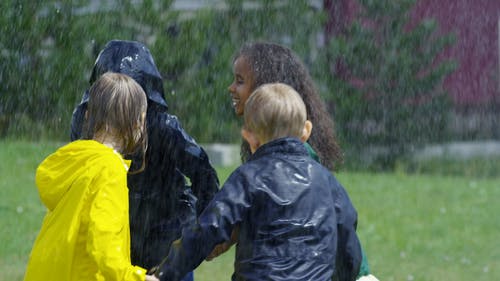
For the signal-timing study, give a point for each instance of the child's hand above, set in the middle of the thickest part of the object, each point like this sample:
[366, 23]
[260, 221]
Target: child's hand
[223, 247]
[151, 278]
[153, 270]
[219, 250]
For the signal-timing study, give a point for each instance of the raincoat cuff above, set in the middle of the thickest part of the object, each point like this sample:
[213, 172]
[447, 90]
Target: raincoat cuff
[137, 273]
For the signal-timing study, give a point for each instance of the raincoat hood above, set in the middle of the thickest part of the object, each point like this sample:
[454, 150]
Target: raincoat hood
[133, 59]
[55, 174]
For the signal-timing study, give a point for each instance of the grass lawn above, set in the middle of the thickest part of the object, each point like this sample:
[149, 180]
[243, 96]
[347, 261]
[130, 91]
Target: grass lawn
[412, 227]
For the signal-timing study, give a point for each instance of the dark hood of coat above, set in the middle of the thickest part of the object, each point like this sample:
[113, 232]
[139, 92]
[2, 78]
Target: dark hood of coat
[133, 59]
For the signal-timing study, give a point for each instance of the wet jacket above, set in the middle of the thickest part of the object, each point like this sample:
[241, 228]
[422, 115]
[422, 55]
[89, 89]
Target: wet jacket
[296, 222]
[85, 234]
[364, 269]
[160, 199]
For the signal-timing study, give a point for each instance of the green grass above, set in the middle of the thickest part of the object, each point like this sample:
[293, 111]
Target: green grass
[478, 167]
[412, 227]
[21, 211]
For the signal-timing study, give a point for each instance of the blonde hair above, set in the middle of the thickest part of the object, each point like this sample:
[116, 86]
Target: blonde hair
[274, 111]
[117, 105]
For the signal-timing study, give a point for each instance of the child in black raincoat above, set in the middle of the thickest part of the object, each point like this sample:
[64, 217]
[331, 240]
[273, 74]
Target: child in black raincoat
[160, 200]
[296, 222]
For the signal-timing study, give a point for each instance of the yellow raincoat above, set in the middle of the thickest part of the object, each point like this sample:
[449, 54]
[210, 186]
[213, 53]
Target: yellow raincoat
[85, 234]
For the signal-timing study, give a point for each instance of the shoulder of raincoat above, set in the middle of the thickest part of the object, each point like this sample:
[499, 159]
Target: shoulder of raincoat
[365, 267]
[160, 198]
[85, 233]
[296, 222]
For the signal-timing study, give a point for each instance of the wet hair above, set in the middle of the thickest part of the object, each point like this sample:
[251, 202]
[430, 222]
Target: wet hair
[275, 111]
[117, 105]
[271, 63]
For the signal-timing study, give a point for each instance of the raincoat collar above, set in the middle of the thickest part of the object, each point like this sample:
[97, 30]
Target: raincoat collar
[287, 145]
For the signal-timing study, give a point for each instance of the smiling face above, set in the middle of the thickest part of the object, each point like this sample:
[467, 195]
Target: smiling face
[242, 86]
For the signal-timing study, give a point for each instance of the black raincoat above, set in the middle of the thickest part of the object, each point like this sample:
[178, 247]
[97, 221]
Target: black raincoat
[296, 222]
[160, 200]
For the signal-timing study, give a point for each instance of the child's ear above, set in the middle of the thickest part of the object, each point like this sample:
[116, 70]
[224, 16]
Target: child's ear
[306, 132]
[251, 138]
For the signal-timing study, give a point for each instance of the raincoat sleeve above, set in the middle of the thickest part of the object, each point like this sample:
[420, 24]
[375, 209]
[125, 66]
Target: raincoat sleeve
[193, 162]
[109, 232]
[214, 226]
[349, 255]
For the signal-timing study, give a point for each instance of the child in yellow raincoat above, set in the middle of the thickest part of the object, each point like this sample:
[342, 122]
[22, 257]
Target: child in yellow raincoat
[85, 234]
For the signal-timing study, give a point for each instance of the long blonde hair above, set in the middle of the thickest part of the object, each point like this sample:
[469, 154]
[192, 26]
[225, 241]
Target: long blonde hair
[117, 105]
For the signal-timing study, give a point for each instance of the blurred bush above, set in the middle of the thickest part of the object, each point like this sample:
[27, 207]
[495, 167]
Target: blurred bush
[386, 87]
[48, 49]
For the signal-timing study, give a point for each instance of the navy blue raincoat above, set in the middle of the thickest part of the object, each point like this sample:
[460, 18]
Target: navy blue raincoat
[160, 200]
[296, 222]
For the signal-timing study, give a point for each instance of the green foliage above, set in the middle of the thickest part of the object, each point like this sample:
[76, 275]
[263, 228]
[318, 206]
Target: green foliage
[198, 91]
[196, 87]
[16, 20]
[386, 92]
[387, 85]
[48, 49]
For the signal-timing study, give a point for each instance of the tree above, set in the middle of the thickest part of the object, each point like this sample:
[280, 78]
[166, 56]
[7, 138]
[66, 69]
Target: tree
[48, 49]
[386, 82]
[205, 45]
[20, 36]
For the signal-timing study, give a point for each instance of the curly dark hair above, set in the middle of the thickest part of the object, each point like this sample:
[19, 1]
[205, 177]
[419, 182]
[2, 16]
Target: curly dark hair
[272, 63]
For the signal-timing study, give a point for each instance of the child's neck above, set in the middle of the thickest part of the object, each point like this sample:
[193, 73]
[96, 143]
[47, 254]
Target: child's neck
[113, 145]
[108, 140]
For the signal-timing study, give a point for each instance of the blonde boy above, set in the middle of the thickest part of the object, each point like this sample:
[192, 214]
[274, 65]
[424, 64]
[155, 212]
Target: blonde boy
[293, 217]
[274, 111]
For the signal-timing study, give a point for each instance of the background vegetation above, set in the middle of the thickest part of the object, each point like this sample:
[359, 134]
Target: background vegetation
[413, 227]
[389, 84]
[378, 76]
